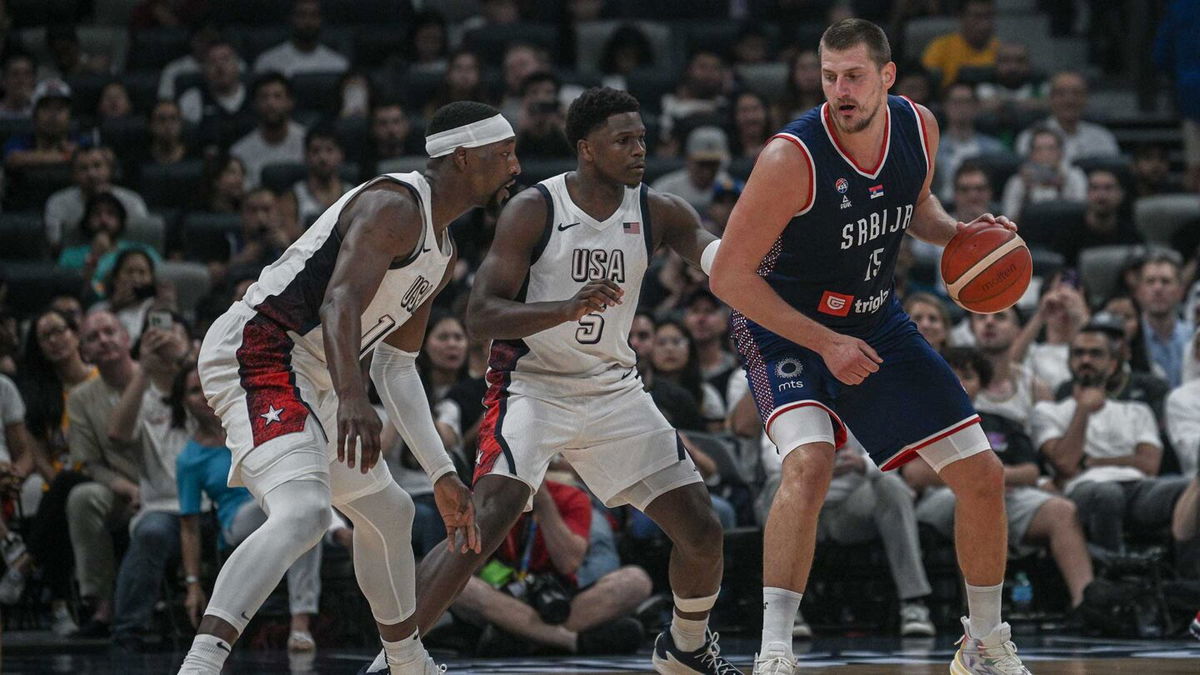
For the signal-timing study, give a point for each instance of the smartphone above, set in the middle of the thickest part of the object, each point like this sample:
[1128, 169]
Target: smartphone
[160, 319]
[1070, 278]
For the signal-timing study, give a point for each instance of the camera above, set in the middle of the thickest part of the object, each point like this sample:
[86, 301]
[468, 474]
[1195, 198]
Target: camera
[160, 319]
[545, 594]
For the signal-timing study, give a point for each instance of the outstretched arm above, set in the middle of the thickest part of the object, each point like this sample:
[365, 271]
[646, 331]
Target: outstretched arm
[492, 312]
[678, 227]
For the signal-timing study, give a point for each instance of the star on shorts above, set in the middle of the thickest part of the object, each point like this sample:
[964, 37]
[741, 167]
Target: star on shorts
[272, 414]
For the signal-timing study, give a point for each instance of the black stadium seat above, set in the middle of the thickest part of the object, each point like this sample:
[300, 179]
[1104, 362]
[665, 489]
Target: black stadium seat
[1040, 222]
[489, 42]
[29, 188]
[317, 92]
[1000, 166]
[206, 235]
[32, 284]
[153, 48]
[172, 185]
[24, 237]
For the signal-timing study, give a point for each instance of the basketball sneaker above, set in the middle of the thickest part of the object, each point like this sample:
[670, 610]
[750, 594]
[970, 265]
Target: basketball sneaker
[706, 660]
[994, 654]
[426, 667]
[800, 628]
[914, 620]
[776, 660]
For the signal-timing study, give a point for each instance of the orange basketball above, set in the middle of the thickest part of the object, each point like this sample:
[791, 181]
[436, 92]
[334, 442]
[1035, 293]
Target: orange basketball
[986, 268]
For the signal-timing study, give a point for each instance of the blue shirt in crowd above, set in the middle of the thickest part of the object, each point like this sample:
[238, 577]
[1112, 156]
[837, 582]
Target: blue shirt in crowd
[205, 469]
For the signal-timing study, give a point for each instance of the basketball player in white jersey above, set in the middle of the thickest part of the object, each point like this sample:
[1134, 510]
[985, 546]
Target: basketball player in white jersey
[281, 368]
[557, 294]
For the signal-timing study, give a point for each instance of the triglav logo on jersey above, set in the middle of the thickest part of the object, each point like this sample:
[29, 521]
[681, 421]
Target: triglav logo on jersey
[837, 304]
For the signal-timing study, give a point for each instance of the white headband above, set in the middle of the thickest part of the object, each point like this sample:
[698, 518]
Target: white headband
[471, 135]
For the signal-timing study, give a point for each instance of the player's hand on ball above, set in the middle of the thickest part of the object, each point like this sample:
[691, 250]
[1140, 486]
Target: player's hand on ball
[595, 296]
[358, 425]
[1002, 221]
[849, 359]
[458, 513]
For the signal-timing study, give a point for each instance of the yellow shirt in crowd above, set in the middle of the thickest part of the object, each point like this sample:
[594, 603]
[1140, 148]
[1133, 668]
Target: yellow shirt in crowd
[949, 53]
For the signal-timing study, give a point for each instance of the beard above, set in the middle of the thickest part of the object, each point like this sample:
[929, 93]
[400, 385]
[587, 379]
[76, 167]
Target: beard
[495, 203]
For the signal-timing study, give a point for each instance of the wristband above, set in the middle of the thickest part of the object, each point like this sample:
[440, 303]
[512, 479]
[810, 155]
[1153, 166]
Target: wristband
[191, 579]
[709, 254]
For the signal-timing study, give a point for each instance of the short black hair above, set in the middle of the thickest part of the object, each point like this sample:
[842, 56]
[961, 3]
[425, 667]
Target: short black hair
[95, 202]
[592, 109]
[271, 77]
[538, 77]
[457, 114]
[849, 33]
[970, 359]
[321, 130]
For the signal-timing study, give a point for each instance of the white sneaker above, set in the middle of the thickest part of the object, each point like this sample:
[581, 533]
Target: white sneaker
[800, 628]
[11, 586]
[994, 654]
[61, 622]
[12, 547]
[914, 620]
[776, 660]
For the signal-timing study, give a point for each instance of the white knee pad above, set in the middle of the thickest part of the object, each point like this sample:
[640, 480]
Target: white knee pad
[967, 441]
[383, 554]
[795, 425]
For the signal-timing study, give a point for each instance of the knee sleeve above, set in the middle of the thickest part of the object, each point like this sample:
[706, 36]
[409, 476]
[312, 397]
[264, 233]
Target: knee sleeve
[383, 555]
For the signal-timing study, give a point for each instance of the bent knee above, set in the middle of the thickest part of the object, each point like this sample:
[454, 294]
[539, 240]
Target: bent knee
[87, 496]
[980, 476]
[634, 580]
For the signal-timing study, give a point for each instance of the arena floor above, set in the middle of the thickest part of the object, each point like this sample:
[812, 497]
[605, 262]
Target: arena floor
[860, 656]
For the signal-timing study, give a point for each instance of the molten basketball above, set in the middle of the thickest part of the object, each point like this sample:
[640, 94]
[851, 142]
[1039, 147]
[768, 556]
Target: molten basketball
[986, 268]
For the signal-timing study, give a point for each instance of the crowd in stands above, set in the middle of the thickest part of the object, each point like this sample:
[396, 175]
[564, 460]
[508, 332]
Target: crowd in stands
[145, 188]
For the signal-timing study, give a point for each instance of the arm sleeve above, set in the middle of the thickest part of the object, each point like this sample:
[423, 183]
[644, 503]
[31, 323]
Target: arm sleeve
[394, 373]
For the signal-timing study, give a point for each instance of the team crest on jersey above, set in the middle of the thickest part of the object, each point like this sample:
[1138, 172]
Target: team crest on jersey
[842, 185]
[788, 368]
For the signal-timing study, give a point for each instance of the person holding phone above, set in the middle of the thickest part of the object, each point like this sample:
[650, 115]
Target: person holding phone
[131, 288]
[1044, 176]
[541, 127]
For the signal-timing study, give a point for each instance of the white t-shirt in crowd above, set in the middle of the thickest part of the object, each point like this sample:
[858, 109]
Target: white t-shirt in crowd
[1183, 425]
[12, 411]
[286, 59]
[1114, 430]
[255, 152]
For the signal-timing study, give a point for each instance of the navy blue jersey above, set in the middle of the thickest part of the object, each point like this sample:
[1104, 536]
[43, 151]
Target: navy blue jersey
[835, 260]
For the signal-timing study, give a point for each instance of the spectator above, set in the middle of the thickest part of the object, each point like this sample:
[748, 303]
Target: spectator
[707, 319]
[626, 50]
[264, 235]
[277, 137]
[1175, 51]
[707, 152]
[166, 135]
[915, 83]
[541, 127]
[932, 318]
[114, 103]
[752, 124]
[701, 91]
[1015, 85]
[462, 82]
[92, 171]
[224, 184]
[1183, 420]
[219, 106]
[1044, 176]
[1013, 389]
[1124, 309]
[67, 58]
[974, 45]
[391, 138]
[52, 141]
[355, 95]
[322, 185]
[724, 197]
[1160, 294]
[1068, 98]
[303, 53]
[18, 80]
[803, 90]
[1062, 311]
[972, 197]
[143, 418]
[428, 42]
[201, 37]
[201, 471]
[1035, 517]
[163, 14]
[1105, 454]
[751, 44]
[521, 60]
[130, 289]
[558, 543]
[1104, 223]
[492, 13]
[96, 509]
[1151, 172]
[676, 360]
[960, 139]
[103, 225]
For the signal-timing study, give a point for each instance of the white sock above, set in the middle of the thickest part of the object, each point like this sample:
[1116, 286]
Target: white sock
[688, 634]
[779, 613]
[404, 652]
[380, 662]
[206, 657]
[983, 608]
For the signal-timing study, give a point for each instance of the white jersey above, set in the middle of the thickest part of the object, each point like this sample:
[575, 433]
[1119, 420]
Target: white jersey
[290, 291]
[575, 249]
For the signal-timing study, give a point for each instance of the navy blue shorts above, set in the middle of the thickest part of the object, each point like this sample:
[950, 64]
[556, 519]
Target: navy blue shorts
[913, 400]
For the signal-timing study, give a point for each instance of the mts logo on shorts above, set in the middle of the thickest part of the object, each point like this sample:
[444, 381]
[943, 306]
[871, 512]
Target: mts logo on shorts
[837, 304]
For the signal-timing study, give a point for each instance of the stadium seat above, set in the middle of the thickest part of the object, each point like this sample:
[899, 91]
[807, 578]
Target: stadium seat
[919, 32]
[266, 13]
[490, 42]
[378, 12]
[1000, 166]
[317, 92]
[1046, 262]
[143, 90]
[657, 167]
[191, 281]
[172, 185]
[24, 237]
[1159, 217]
[592, 36]
[354, 133]
[768, 80]
[1118, 165]
[648, 85]
[280, 176]
[14, 127]
[29, 188]
[406, 164]
[32, 284]
[1041, 222]
[206, 235]
[537, 170]
[113, 12]
[678, 9]
[126, 136]
[152, 48]
[717, 36]
[373, 44]
[150, 230]
[1099, 268]
[252, 41]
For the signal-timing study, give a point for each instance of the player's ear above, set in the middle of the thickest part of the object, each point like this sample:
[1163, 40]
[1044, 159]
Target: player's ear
[889, 74]
[584, 149]
[460, 158]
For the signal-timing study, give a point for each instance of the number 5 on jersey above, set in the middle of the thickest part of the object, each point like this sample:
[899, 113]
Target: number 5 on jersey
[591, 326]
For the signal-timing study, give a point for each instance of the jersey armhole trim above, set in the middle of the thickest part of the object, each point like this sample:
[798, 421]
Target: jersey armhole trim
[647, 235]
[542, 241]
[920, 130]
[416, 252]
[812, 169]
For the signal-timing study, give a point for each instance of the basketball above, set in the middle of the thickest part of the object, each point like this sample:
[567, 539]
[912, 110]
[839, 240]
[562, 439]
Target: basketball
[986, 268]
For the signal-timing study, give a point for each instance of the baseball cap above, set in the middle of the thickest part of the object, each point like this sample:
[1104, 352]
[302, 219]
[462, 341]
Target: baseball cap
[708, 144]
[49, 89]
[1106, 322]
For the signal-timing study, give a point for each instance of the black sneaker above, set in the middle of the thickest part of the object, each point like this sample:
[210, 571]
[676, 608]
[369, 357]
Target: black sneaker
[620, 636]
[707, 660]
[496, 643]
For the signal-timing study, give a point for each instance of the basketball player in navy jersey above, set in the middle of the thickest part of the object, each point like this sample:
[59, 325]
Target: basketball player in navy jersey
[281, 369]
[557, 294]
[807, 264]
